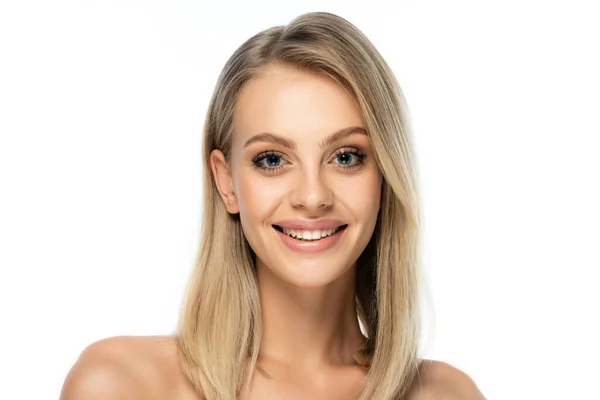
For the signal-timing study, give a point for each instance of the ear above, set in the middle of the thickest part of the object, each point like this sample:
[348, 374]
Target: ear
[224, 180]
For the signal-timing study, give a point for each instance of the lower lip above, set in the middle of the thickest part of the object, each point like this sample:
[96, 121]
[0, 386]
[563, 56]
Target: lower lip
[311, 246]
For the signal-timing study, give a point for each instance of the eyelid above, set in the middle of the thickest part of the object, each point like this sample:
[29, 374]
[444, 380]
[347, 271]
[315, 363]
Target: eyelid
[266, 153]
[349, 149]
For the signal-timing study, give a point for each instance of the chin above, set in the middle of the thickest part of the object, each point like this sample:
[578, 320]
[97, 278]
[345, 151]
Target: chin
[307, 273]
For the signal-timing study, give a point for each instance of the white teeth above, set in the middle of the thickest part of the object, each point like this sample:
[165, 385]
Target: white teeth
[310, 235]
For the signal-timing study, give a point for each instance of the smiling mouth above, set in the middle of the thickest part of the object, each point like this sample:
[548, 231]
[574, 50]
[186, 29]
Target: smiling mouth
[306, 235]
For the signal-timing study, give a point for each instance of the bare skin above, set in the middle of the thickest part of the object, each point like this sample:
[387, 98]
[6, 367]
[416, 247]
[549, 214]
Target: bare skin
[147, 368]
[310, 328]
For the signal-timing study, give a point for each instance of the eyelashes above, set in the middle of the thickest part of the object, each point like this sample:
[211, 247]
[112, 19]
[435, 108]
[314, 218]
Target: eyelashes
[351, 158]
[269, 155]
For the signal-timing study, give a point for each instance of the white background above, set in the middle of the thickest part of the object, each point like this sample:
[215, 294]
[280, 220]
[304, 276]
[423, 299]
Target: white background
[101, 112]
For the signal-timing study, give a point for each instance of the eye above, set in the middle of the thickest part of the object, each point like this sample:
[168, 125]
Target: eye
[345, 158]
[272, 160]
[350, 158]
[268, 160]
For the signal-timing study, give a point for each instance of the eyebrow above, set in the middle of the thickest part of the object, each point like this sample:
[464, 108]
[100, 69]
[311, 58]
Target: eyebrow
[290, 144]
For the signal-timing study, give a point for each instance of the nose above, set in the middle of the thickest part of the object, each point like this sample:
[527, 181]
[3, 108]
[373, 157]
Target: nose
[311, 192]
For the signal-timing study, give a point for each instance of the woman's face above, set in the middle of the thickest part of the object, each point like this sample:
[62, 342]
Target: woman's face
[291, 174]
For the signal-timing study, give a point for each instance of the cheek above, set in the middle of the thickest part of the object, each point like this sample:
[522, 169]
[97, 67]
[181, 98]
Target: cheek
[361, 193]
[257, 196]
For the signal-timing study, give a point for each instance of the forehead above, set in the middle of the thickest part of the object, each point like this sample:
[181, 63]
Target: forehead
[289, 101]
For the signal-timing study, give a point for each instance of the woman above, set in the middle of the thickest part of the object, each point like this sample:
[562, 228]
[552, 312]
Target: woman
[311, 224]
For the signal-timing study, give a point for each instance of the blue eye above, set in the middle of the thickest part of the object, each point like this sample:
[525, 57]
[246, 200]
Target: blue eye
[345, 158]
[272, 160]
[268, 160]
[350, 158]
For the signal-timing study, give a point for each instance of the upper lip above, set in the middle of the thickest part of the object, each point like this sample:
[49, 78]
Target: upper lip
[310, 225]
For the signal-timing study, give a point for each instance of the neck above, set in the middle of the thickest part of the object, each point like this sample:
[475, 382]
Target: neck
[308, 327]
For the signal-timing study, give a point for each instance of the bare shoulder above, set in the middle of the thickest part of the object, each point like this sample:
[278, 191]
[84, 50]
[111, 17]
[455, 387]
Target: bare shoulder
[441, 381]
[127, 367]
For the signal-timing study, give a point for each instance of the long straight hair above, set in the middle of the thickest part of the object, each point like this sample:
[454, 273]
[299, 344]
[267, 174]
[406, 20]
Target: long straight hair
[220, 326]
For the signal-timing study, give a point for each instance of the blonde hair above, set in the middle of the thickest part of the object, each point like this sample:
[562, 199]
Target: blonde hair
[220, 326]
